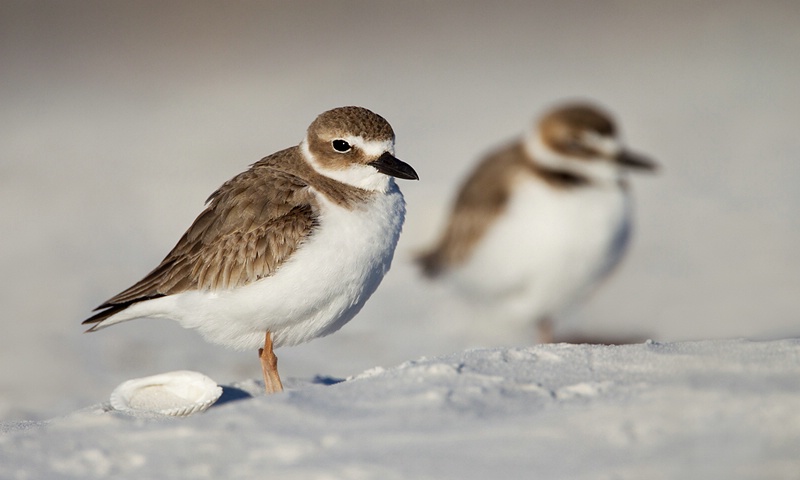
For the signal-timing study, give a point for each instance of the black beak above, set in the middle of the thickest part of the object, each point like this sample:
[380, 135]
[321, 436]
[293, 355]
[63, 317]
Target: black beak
[389, 165]
[636, 161]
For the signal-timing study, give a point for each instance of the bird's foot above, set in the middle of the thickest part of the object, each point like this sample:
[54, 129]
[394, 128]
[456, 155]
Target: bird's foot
[269, 366]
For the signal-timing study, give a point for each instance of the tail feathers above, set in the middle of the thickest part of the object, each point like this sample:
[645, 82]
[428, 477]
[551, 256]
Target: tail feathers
[98, 318]
[109, 310]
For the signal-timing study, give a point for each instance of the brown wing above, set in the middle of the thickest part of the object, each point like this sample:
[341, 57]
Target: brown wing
[484, 195]
[251, 226]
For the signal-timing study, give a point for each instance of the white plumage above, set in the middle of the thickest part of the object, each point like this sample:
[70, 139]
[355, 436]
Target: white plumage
[319, 289]
[547, 249]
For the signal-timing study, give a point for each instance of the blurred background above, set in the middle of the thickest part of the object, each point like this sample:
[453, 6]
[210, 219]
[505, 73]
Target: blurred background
[118, 120]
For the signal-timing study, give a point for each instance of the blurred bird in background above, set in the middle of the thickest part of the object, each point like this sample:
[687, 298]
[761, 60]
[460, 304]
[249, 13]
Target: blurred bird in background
[541, 222]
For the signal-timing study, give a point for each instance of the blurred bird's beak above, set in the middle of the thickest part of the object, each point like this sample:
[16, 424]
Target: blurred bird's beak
[636, 161]
[389, 165]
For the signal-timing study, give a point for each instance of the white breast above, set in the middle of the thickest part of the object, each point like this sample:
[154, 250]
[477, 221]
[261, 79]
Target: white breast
[549, 248]
[319, 289]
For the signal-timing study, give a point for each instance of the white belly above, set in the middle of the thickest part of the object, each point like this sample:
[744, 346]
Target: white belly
[319, 289]
[549, 248]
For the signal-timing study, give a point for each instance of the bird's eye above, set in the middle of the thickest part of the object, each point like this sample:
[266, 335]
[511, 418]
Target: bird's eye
[574, 145]
[341, 146]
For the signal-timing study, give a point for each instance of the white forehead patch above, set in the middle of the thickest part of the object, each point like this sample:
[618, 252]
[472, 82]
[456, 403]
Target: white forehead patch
[608, 146]
[373, 148]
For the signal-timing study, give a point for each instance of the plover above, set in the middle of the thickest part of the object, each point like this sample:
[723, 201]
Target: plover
[543, 220]
[286, 251]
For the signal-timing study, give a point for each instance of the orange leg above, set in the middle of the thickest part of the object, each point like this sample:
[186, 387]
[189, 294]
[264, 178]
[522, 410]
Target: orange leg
[269, 366]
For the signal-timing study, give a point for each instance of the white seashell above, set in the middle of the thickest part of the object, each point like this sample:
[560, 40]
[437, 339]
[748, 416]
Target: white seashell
[178, 393]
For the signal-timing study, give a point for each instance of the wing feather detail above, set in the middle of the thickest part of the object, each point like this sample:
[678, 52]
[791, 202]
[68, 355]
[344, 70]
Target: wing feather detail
[250, 227]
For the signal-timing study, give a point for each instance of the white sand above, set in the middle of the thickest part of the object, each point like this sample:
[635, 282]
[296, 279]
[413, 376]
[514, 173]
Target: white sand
[711, 409]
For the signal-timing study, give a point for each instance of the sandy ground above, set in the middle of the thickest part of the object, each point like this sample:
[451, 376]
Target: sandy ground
[688, 410]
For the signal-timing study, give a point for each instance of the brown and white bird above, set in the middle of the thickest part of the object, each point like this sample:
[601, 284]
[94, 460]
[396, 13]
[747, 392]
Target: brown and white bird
[286, 251]
[541, 221]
